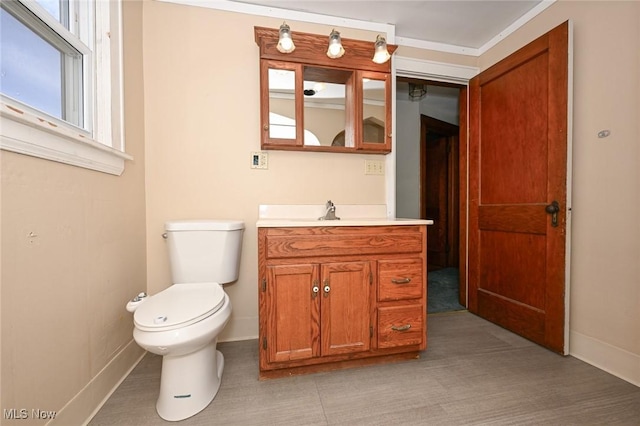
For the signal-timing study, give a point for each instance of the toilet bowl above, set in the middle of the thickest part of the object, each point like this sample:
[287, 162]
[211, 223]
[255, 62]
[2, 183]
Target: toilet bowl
[182, 323]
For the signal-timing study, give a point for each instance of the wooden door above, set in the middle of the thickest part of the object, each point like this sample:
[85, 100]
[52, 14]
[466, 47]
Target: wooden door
[436, 200]
[518, 167]
[293, 307]
[346, 307]
[439, 190]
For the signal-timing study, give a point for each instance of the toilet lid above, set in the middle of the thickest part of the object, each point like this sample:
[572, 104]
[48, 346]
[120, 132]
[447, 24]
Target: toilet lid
[179, 306]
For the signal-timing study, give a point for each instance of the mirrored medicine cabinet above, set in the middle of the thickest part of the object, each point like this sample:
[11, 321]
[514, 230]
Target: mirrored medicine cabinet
[310, 102]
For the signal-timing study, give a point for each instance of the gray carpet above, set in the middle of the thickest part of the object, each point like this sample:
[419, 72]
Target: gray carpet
[442, 291]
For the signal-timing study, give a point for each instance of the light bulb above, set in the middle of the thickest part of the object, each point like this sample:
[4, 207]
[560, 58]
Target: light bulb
[381, 55]
[335, 49]
[285, 42]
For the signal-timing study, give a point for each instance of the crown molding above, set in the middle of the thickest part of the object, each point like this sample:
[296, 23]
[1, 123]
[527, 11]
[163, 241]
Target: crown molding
[274, 12]
[438, 47]
[538, 9]
[473, 51]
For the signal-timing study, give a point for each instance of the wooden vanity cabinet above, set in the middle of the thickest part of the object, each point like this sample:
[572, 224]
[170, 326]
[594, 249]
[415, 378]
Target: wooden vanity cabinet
[331, 297]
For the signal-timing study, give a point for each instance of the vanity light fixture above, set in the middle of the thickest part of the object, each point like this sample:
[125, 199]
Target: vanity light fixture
[417, 91]
[381, 55]
[285, 42]
[335, 49]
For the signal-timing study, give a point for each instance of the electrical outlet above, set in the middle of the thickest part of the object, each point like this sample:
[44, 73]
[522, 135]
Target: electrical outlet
[373, 167]
[259, 160]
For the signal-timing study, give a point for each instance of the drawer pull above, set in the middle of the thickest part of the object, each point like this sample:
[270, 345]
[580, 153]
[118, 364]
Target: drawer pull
[401, 280]
[401, 328]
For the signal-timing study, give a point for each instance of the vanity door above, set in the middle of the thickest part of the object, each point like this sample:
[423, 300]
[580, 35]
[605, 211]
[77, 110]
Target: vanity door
[346, 306]
[281, 104]
[293, 303]
[373, 116]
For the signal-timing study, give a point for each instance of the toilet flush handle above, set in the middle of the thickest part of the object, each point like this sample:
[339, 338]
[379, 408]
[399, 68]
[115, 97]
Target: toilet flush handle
[165, 235]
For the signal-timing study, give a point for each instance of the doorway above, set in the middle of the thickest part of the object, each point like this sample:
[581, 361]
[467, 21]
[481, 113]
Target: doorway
[428, 179]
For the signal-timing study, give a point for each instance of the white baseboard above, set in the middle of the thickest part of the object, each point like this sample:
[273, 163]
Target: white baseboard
[613, 360]
[82, 407]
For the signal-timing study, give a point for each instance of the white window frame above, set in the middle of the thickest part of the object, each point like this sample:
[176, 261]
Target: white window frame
[99, 144]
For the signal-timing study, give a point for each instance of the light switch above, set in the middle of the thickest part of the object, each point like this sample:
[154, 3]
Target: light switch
[259, 160]
[373, 167]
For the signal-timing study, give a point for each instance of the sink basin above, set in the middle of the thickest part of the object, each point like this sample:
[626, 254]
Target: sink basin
[314, 211]
[299, 215]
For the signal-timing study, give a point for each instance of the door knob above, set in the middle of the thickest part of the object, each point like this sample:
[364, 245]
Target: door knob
[326, 288]
[553, 210]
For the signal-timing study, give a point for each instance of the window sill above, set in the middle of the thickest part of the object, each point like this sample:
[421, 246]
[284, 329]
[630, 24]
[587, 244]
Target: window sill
[26, 133]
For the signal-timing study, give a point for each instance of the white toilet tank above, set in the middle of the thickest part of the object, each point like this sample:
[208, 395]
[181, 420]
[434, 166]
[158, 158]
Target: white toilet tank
[203, 251]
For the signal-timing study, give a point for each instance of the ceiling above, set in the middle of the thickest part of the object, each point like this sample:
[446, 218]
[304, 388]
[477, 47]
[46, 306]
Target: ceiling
[469, 24]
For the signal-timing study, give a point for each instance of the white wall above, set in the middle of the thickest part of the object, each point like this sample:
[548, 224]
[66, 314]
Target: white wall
[407, 158]
[441, 103]
[73, 254]
[202, 123]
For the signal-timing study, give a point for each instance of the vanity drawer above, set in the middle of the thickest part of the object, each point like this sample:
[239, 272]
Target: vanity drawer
[400, 279]
[335, 241]
[400, 326]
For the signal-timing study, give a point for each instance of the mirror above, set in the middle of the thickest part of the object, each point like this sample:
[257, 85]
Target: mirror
[373, 111]
[325, 94]
[282, 105]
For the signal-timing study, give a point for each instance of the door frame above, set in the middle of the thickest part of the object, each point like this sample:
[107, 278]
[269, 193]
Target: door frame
[460, 74]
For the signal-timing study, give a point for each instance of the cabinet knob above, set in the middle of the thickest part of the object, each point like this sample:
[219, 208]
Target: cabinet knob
[315, 289]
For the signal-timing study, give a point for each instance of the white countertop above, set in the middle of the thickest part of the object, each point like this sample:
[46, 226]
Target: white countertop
[287, 223]
[303, 215]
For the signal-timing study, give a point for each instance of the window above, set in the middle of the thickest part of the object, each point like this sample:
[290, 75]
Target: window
[60, 81]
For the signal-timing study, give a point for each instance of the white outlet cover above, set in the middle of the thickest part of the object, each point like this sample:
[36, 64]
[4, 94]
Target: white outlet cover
[259, 160]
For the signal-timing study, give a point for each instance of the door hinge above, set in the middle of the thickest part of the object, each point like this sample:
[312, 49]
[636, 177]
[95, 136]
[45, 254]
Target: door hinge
[264, 284]
[264, 342]
[370, 331]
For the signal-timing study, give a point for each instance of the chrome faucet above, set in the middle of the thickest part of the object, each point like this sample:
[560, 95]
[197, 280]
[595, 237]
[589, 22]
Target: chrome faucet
[330, 214]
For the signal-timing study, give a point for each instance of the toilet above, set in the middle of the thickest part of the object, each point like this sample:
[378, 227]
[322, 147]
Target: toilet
[182, 322]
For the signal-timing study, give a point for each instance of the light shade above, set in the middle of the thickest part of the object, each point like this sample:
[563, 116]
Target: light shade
[335, 49]
[381, 54]
[417, 91]
[285, 42]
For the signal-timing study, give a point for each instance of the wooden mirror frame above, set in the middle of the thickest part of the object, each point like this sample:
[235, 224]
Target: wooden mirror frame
[311, 51]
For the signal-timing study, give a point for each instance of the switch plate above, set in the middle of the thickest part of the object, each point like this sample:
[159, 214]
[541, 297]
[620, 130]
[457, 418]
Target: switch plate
[373, 167]
[259, 160]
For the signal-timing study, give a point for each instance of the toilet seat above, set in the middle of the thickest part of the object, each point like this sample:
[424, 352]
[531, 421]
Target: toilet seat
[179, 306]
